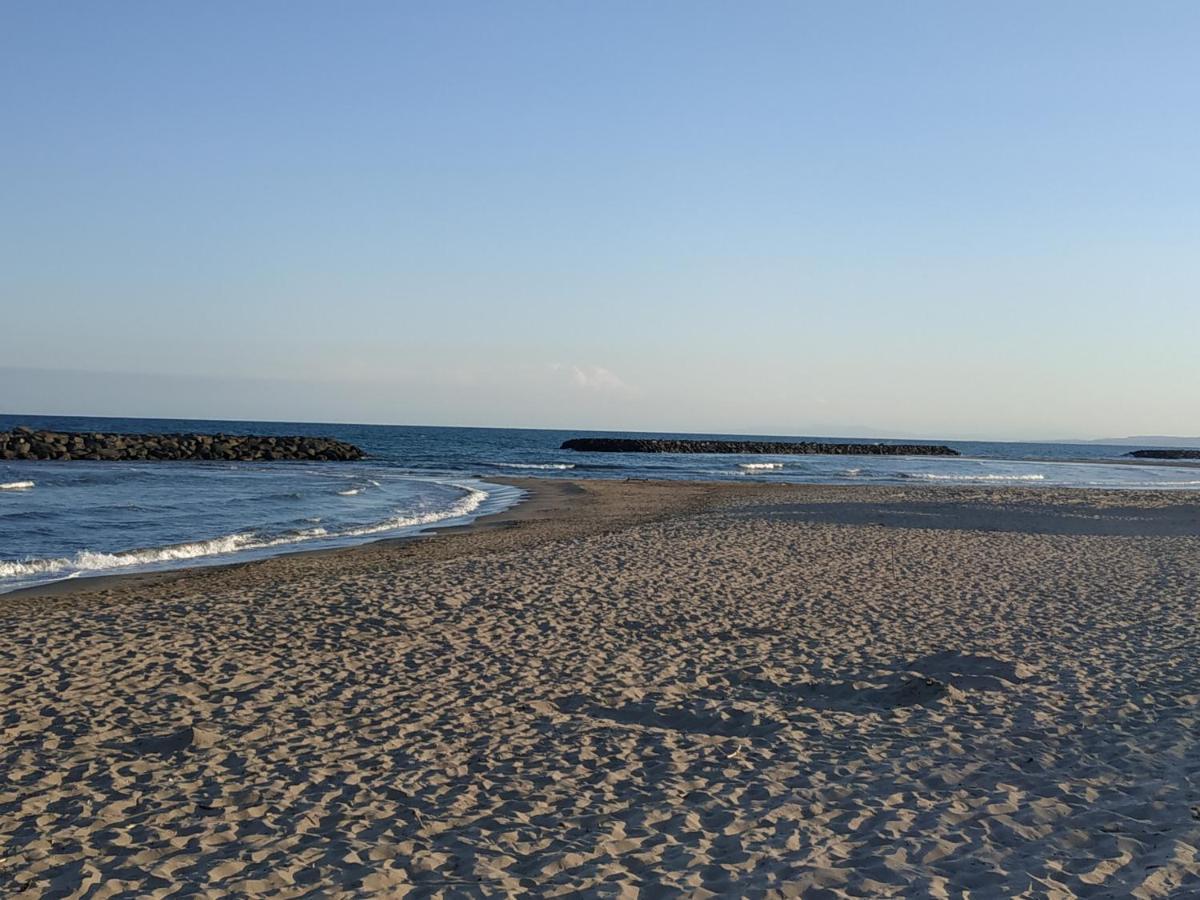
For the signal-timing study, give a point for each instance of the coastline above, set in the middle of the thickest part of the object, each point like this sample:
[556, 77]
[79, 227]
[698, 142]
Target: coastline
[84, 584]
[698, 688]
[98, 514]
[553, 503]
[545, 499]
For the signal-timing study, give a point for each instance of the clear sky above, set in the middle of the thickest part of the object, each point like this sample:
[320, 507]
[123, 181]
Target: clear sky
[944, 219]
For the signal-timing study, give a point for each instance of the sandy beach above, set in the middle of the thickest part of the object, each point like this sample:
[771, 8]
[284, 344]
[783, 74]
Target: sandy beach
[631, 689]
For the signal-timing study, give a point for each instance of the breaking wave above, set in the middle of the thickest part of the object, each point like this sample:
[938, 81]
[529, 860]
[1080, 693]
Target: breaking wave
[17, 486]
[88, 561]
[759, 467]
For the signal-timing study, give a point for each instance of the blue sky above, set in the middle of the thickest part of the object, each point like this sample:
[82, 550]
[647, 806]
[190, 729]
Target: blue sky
[949, 219]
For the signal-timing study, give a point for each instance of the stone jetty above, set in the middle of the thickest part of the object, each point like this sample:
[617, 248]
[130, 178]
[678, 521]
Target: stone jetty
[639, 445]
[25, 443]
[1165, 454]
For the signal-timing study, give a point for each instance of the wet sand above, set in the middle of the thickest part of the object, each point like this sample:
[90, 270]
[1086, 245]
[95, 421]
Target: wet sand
[631, 689]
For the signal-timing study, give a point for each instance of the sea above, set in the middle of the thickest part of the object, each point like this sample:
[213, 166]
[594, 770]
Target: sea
[80, 518]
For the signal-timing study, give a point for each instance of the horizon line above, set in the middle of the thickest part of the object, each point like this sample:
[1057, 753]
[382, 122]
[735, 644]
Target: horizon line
[733, 434]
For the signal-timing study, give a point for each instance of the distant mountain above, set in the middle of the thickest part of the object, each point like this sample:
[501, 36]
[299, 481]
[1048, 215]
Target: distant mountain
[1148, 440]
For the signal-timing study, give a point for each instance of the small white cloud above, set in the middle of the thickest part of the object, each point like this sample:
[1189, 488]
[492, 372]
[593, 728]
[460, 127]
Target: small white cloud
[592, 378]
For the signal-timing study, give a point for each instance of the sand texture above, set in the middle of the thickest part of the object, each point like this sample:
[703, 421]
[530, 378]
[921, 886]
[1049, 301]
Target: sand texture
[631, 690]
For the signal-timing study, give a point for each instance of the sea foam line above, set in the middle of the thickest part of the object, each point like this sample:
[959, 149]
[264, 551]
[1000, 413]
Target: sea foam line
[930, 476]
[96, 561]
[536, 465]
[1145, 484]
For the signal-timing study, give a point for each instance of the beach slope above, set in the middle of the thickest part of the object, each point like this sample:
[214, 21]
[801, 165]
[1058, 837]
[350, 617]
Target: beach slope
[631, 689]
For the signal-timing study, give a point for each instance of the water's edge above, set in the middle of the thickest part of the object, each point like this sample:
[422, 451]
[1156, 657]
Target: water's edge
[504, 499]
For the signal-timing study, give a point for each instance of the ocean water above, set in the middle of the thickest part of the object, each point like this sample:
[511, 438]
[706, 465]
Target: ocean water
[65, 520]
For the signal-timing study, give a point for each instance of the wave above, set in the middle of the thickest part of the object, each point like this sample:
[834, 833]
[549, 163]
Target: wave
[17, 486]
[930, 476]
[559, 466]
[351, 492]
[1144, 484]
[96, 561]
[464, 506]
[852, 473]
[358, 478]
[758, 467]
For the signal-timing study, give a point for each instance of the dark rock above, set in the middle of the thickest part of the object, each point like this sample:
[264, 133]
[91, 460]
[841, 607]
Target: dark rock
[26, 444]
[646, 445]
[1165, 454]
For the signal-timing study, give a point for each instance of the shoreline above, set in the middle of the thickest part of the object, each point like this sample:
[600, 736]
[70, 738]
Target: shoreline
[83, 584]
[98, 577]
[552, 500]
[544, 498]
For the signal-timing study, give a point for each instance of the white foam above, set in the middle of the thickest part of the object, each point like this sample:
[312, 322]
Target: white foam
[1145, 484]
[350, 493]
[930, 476]
[756, 467]
[93, 561]
[852, 473]
[536, 465]
[17, 486]
[462, 507]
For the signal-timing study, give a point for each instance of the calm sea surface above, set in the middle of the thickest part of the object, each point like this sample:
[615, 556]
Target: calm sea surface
[63, 520]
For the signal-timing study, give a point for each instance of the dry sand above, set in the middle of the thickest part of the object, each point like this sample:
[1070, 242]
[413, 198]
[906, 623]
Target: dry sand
[631, 689]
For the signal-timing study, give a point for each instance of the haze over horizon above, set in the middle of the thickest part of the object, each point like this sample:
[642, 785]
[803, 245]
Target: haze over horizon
[938, 221]
[817, 430]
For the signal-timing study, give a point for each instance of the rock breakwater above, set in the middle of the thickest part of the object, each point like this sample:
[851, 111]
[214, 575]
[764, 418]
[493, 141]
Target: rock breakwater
[27, 444]
[639, 445]
[1165, 454]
